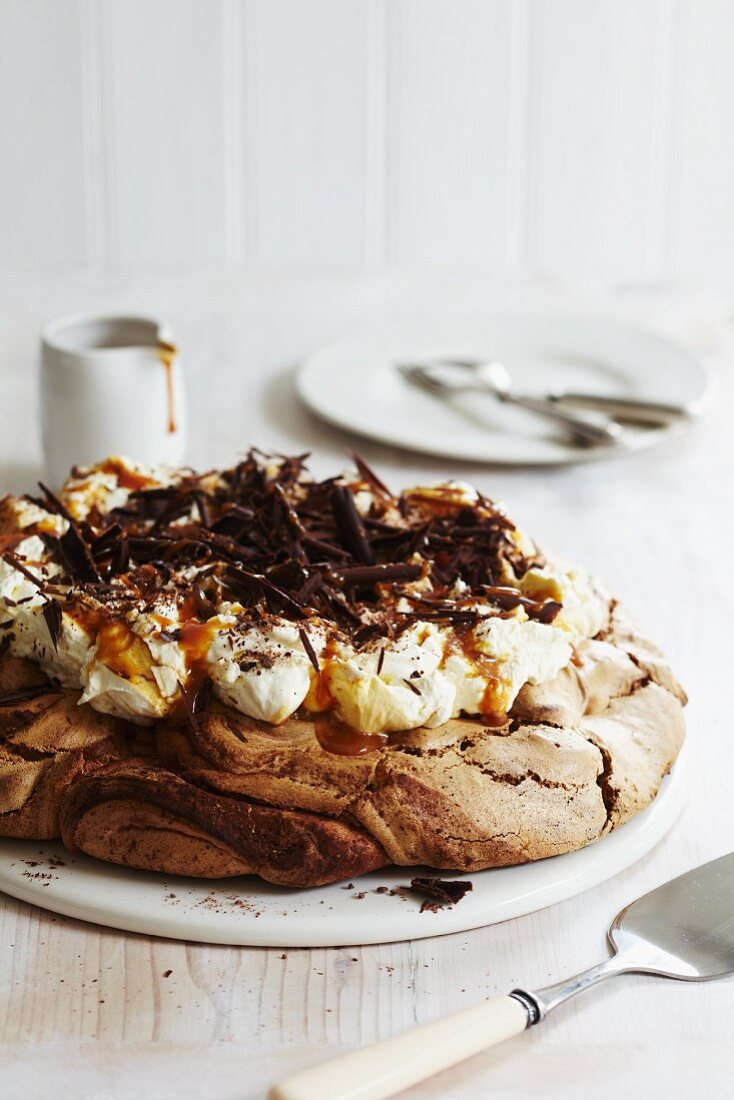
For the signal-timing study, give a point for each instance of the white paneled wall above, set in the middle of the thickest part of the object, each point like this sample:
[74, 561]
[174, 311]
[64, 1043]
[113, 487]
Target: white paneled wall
[308, 136]
[572, 135]
[449, 144]
[43, 197]
[600, 155]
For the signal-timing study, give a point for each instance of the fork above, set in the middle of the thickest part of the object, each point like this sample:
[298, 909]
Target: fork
[495, 381]
[630, 410]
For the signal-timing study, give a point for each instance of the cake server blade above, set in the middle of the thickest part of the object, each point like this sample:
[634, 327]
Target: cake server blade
[683, 929]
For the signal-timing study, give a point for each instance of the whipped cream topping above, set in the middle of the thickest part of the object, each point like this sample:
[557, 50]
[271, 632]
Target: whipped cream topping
[99, 490]
[143, 587]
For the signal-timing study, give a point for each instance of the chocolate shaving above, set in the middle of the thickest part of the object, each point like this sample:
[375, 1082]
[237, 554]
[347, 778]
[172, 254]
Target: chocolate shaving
[310, 651]
[508, 598]
[53, 504]
[10, 541]
[547, 612]
[282, 544]
[446, 615]
[326, 549]
[370, 476]
[413, 687]
[440, 891]
[367, 633]
[17, 563]
[290, 576]
[313, 583]
[349, 524]
[23, 695]
[106, 541]
[203, 606]
[368, 575]
[121, 556]
[188, 698]
[76, 556]
[254, 585]
[203, 506]
[344, 614]
[53, 616]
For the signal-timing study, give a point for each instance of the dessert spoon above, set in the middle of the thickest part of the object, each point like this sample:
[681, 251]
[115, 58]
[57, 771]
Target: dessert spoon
[492, 378]
[684, 929]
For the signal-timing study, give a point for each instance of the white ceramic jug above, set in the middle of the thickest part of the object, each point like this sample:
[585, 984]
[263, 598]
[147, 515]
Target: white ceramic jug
[109, 385]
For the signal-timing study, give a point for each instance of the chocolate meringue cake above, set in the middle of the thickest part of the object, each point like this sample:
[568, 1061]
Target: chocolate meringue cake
[251, 671]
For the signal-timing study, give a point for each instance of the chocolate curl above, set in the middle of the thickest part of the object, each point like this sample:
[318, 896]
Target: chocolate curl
[369, 475]
[192, 701]
[440, 891]
[53, 617]
[55, 504]
[349, 524]
[256, 585]
[17, 563]
[310, 651]
[369, 575]
[77, 557]
[23, 695]
[508, 599]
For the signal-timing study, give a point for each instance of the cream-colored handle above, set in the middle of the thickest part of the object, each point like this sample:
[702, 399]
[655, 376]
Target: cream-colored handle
[385, 1068]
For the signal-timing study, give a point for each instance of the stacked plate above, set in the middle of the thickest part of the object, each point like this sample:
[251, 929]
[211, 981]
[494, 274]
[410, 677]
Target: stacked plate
[357, 384]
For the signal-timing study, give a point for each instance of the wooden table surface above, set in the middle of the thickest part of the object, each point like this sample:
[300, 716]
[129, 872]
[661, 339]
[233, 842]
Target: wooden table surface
[94, 1013]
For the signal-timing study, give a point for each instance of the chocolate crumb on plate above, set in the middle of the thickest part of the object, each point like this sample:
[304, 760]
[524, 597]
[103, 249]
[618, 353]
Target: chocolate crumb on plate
[439, 892]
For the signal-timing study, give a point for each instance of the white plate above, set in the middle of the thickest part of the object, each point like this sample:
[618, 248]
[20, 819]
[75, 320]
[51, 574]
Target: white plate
[247, 911]
[354, 384]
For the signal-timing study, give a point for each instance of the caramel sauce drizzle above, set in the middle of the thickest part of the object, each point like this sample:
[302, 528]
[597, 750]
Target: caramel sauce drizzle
[127, 655]
[320, 696]
[465, 645]
[126, 478]
[167, 355]
[122, 650]
[336, 737]
[194, 639]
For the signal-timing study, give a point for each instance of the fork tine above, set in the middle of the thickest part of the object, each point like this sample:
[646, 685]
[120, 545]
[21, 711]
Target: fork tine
[421, 377]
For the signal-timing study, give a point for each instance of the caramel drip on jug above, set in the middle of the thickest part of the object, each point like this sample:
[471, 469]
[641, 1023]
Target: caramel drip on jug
[167, 355]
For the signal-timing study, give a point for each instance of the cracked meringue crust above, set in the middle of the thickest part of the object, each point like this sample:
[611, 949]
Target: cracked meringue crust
[214, 792]
[578, 757]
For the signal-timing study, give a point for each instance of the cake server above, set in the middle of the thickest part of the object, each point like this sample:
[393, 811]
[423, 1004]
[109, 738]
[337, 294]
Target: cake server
[631, 410]
[683, 929]
[494, 380]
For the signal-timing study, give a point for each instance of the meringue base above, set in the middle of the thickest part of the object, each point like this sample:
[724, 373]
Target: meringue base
[578, 757]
